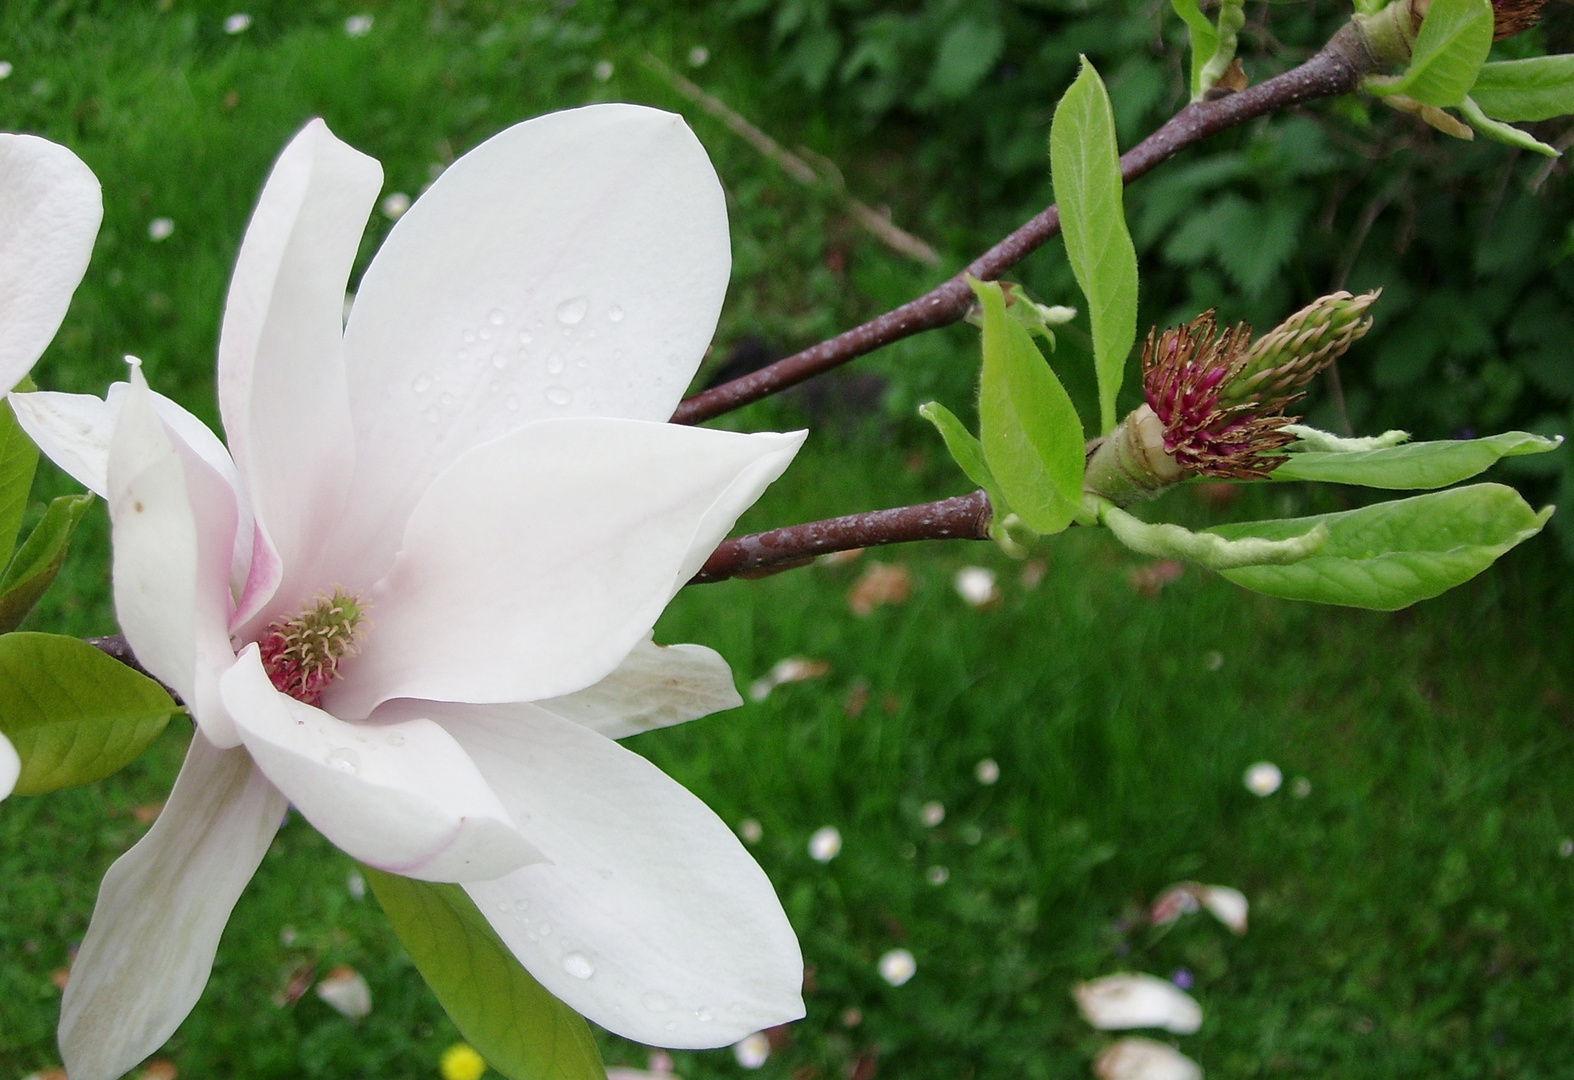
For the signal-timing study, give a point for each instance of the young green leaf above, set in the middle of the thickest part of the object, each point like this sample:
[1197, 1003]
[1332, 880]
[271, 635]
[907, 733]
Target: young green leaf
[1165, 541]
[1084, 165]
[1030, 432]
[1413, 466]
[521, 1030]
[74, 714]
[1204, 41]
[1449, 51]
[1501, 132]
[36, 564]
[18, 462]
[967, 452]
[1392, 554]
[1535, 89]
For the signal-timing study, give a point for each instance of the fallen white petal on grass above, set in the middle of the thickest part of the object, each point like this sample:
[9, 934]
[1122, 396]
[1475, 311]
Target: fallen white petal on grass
[602, 71]
[825, 844]
[355, 884]
[752, 1051]
[160, 228]
[699, 56]
[237, 23]
[750, 831]
[619, 1072]
[1173, 902]
[898, 966]
[938, 875]
[1227, 905]
[358, 25]
[1263, 778]
[1300, 787]
[987, 771]
[1136, 1058]
[976, 585]
[1128, 1000]
[394, 205]
[1566, 847]
[931, 813]
[5, 69]
[346, 992]
[791, 670]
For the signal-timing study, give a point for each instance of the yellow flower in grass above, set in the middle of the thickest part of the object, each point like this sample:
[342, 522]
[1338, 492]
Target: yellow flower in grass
[461, 1062]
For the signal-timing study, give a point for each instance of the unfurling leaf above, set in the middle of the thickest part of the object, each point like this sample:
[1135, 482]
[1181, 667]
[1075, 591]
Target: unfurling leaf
[1084, 165]
[1390, 555]
[74, 714]
[1030, 432]
[1503, 133]
[38, 562]
[512, 1021]
[1538, 88]
[1165, 541]
[1449, 52]
[1412, 466]
[18, 462]
[1204, 41]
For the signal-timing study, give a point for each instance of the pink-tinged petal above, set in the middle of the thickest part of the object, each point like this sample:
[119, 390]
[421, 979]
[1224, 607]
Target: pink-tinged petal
[534, 564]
[281, 365]
[50, 208]
[160, 912]
[573, 265]
[651, 919]
[655, 687]
[403, 797]
[10, 767]
[172, 520]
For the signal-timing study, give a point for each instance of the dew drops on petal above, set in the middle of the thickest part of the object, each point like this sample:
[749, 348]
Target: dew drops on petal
[1263, 778]
[704, 1015]
[614, 313]
[657, 1002]
[394, 739]
[555, 364]
[897, 967]
[421, 384]
[752, 1051]
[750, 830]
[572, 312]
[825, 844]
[931, 813]
[559, 395]
[499, 361]
[987, 771]
[578, 965]
[344, 759]
[496, 317]
[526, 337]
[160, 228]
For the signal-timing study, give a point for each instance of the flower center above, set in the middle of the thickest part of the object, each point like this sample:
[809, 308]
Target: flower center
[301, 655]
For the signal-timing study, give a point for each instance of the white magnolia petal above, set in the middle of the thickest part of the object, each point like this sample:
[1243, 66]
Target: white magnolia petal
[1227, 905]
[281, 368]
[486, 604]
[651, 919]
[10, 767]
[50, 208]
[573, 265]
[172, 520]
[73, 431]
[402, 797]
[161, 910]
[1136, 1058]
[655, 687]
[1128, 1000]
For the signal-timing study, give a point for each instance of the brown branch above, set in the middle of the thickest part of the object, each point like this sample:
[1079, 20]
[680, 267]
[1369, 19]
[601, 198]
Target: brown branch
[964, 517]
[1334, 71]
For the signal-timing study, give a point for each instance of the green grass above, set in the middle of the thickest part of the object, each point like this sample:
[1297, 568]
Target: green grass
[1410, 914]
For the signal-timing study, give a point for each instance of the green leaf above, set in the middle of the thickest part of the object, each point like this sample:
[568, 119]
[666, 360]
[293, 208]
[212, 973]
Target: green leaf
[1085, 167]
[1413, 466]
[39, 561]
[18, 462]
[1501, 132]
[74, 714]
[1449, 52]
[967, 452]
[968, 52]
[1204, 41]
[1535, 89]
[1165, 541]
[521, 1030]
[1031, 435]
[1390, 555]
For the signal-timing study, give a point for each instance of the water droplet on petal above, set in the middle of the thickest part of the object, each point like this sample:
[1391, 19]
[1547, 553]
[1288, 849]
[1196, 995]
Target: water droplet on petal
[395, 739]
[570, 312]
[656, 1001]
[422, 384]
[344, 759]
[499, 361]
[559, 395]
[526, 337]
[469, 335]
[446, 400]
[433, 415]
[555, 364]
[670, 1025]
[497, 318]
[546, 929]
[615, 313]
[703, 1015]
[578, 965]
[485, 333]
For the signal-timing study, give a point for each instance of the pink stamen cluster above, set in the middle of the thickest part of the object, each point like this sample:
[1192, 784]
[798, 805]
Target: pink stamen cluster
[301, 655]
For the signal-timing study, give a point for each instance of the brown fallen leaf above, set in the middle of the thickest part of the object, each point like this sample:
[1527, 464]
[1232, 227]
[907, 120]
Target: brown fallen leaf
[881, 585]
[147, 813]
[1149, 579]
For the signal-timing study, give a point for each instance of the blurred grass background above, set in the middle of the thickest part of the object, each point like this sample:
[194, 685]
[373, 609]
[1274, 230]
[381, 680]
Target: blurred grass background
[1411, 906]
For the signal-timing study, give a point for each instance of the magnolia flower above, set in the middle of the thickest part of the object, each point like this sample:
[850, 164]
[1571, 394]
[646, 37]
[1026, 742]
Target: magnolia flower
[413, 596]
[1127, 1000]
[50, 208]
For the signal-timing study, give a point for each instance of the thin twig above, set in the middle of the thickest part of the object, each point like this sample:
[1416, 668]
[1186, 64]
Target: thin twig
[1337, 69]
